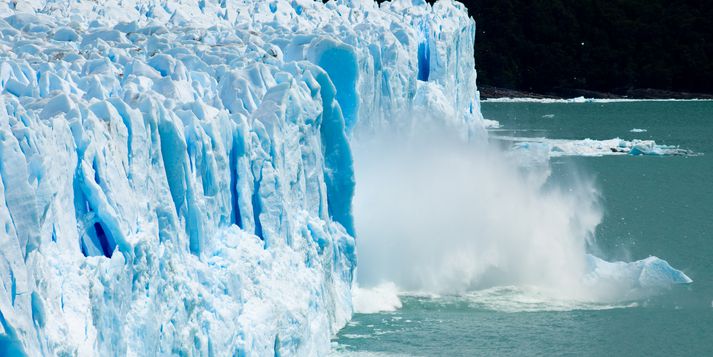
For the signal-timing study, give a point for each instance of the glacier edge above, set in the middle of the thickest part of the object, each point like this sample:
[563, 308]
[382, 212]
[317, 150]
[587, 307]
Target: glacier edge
[177, 176]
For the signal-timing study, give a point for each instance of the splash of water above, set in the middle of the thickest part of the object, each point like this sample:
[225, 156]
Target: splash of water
[435, 214]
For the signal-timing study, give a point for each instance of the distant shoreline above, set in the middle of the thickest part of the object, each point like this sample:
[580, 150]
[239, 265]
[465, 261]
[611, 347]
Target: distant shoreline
[489, 92]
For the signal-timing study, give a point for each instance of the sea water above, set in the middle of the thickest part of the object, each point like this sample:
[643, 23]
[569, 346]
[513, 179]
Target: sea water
[651, 205]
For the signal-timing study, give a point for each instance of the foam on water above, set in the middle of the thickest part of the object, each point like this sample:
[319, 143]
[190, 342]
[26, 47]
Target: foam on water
[341, 351]
[381, 298]
[532, 299]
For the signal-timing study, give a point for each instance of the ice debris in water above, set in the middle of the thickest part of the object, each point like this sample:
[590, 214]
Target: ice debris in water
[649, 272]
[177, 175]
[590, 147]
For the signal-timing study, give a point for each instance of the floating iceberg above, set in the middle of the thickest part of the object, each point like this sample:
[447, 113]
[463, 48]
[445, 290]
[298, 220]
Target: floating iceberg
[177, 176]
[622, 281]
[606, 285]
[646, 273]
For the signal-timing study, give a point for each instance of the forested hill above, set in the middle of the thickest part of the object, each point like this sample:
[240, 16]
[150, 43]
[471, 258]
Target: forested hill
[554, 46]
[612, 45]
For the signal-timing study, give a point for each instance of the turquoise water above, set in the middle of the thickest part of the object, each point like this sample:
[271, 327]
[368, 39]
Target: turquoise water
[659, 206]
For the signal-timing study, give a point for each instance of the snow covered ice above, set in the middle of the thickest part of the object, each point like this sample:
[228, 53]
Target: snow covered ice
[177, 176]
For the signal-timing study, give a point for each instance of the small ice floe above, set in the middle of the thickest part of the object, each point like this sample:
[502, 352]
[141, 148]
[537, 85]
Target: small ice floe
[620, 281]
[590, 147]
[539, 100]
[649, 272]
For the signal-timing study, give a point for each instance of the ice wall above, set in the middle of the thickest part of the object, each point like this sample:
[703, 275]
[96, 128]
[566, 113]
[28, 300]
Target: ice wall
[177, 177]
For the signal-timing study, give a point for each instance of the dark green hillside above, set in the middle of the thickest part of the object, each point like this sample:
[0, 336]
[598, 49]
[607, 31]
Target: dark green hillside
[609, 45]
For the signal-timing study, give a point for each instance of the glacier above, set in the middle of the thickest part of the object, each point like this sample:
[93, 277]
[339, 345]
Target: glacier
[177, 176]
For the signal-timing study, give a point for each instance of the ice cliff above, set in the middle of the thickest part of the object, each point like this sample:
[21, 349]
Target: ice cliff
[177, 176]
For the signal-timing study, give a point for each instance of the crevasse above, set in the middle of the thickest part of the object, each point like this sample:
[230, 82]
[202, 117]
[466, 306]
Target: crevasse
[177, 176]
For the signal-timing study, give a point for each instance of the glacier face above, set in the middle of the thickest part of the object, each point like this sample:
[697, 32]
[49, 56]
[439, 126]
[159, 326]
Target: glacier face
[177, 176]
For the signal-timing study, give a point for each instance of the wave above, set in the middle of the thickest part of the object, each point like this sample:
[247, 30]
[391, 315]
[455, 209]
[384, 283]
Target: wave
[381, 298]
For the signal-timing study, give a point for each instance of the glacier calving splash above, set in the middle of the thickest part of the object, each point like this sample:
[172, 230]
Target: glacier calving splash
[177, 176]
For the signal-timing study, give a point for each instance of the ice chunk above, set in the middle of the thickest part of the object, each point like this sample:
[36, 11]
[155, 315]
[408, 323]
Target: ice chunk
[620, 280]
[65, 34]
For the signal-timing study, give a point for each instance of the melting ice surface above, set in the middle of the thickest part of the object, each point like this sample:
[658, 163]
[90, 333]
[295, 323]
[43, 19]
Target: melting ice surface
[177, 176]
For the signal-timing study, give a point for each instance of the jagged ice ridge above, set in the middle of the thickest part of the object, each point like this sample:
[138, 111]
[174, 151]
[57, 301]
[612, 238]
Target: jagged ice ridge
[177, 175]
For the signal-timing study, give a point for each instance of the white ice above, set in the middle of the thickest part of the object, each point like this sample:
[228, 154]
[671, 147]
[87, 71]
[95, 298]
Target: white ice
[177, 175]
